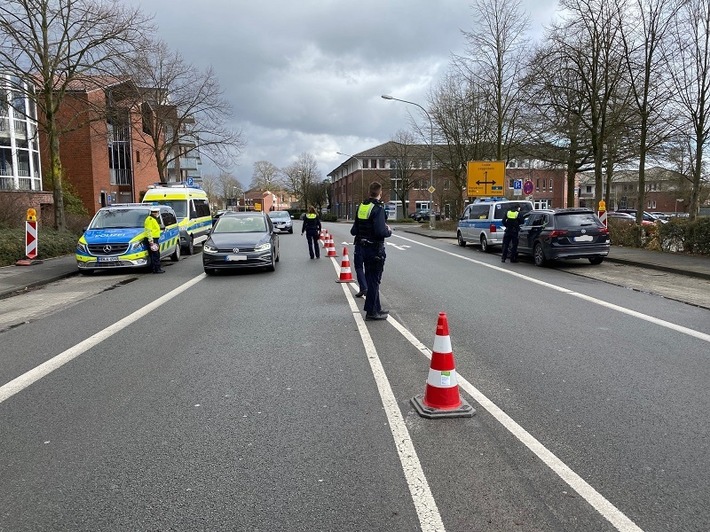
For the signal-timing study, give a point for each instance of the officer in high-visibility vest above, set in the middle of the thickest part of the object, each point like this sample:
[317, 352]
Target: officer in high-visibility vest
[370, 229]
[152, 232]
[312, 227]
[510, 238]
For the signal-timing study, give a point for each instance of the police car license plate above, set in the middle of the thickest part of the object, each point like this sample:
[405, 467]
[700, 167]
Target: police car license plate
[231, 258]
[107, 259]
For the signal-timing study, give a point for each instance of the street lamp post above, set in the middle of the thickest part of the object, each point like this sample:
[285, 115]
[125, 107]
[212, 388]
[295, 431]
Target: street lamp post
[362, 180]
[432, 216]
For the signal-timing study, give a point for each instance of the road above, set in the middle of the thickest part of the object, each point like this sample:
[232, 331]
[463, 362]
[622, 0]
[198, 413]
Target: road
[263, 401]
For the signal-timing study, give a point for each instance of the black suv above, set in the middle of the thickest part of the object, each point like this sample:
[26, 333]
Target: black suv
[550, 235]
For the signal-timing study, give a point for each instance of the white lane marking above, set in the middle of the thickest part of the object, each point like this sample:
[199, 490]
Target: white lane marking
[605, 508]
[645, 317]
[424, 503]
[26, 379]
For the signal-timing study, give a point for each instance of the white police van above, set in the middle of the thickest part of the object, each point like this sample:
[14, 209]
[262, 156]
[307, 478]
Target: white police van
[482, 221]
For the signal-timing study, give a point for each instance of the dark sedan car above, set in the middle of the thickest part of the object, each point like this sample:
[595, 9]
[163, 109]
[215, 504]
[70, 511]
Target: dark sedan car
[241, 240]
[422, 215]
[550, 235]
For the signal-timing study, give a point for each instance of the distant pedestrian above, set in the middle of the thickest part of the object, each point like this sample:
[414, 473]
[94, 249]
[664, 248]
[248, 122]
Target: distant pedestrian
[152, 233]
[370, 230]
[312, 228]
[511, 221]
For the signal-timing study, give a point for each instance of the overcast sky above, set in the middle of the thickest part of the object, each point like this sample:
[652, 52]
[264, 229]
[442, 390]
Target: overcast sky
[307, 75]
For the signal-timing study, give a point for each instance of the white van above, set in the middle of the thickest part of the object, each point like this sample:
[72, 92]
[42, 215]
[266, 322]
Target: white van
[191, 207]
[482, 221]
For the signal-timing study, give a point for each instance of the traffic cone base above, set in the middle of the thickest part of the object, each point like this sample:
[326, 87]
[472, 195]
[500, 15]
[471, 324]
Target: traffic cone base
[346, 275]
[441, 397]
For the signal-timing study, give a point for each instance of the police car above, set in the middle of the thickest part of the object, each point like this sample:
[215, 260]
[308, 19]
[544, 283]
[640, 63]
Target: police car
[482, 221]
[115, 238]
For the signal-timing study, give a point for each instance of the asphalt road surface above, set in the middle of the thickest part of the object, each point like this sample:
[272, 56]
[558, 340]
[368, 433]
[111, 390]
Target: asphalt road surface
[264, 401]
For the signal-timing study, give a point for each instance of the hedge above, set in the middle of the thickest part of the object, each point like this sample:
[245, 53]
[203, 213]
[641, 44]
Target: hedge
[50, 243]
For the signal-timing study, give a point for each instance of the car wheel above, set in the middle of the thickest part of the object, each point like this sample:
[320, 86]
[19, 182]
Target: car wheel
[271, 267]
[86, 272]
[596, 260]
[290, 231]
[459, 237]
[539, 255]
[484, 244]
[190, 248]
[176, 254]
[209, 271]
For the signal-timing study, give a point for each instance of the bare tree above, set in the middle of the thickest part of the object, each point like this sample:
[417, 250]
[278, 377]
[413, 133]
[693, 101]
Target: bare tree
[406, 158]
[301, 178]
[266, 176]
[690, 72]
[50, 44]
[647, 26]
[590, 41]
[496, 59]
[460, 112]
[184, 112]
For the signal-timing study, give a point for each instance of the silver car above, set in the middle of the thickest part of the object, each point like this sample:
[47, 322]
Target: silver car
[282, 221]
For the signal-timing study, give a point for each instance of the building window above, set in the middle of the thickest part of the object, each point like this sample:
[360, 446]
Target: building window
[366, 163]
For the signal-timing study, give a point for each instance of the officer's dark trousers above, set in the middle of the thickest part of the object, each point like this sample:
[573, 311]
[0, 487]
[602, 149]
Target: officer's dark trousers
[313, 247]
[154, 260]
[374, 261]
[510, 240]
[359, 263]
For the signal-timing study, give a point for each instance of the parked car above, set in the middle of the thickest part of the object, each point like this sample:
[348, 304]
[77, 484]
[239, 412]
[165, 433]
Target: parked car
[241, 240]
[482, 221]
[282, 221]
[423, 215]
[549, 235]
[621, 216]
[648, 218]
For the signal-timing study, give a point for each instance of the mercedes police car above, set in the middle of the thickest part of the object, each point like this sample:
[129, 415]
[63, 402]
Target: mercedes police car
[115, 238]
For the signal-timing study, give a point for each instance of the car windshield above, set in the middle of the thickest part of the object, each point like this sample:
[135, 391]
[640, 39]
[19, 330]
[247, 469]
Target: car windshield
[119, 218]
[179, 206]
[577, 219]
[240, 224]
[279, 215]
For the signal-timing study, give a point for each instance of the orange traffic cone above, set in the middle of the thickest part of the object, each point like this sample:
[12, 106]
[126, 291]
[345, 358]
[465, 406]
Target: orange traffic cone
[441, 397]
[346, 275]
[330, 247]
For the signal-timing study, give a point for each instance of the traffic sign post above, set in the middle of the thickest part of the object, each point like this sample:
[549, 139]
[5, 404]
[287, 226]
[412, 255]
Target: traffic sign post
[30, 240]
[602, 212]
[485, 178]
[518, 187]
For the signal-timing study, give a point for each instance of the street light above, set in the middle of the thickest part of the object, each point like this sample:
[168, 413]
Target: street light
[432, 216]
[362, 180]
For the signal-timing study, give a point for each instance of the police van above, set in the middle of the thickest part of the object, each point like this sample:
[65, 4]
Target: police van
[482, 221]
[116, 238]
[192, 208]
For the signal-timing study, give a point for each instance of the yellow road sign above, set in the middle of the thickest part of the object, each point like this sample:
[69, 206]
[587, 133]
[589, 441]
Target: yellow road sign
[486, 178]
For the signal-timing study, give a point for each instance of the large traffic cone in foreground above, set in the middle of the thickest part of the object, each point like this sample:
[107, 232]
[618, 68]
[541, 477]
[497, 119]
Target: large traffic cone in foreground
[330, 247]
[441, 397]
[346, 275]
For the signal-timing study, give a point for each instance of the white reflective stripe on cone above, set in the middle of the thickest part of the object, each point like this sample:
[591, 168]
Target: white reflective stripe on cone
[442, 379]
[442, 344]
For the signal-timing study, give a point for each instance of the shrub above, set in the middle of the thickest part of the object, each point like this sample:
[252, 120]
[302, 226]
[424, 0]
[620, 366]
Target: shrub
[50, 244]
[697, 238]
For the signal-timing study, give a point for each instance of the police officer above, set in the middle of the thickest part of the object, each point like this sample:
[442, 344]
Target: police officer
[312, 227]
[152, 231]
[370, 230]
[510, 238]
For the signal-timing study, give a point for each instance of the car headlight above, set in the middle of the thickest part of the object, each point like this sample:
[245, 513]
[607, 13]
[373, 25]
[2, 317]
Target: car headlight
[263, 247]
[136, 246]
[209, 248]
[81, 248]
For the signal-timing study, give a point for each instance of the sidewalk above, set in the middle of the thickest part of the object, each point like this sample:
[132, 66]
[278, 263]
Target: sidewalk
[16, 279]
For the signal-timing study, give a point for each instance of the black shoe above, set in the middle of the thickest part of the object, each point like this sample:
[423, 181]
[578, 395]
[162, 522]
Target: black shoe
[375, 316]
[513, 260]
[159, 271]
[385, 312]
[361, 293]
[312, 258]
[502, 260]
